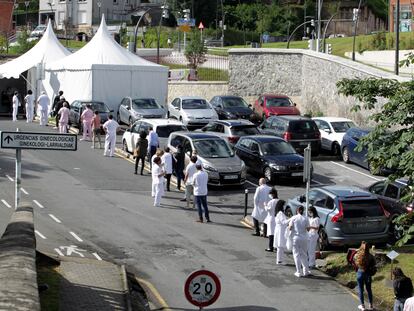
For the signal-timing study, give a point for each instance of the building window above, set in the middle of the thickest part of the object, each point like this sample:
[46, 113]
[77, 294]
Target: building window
[61, 18]
[82, 17]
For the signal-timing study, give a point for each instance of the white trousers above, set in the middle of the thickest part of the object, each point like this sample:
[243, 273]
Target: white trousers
[43, 117]
[15, 108]
[300, 255]
[87, 130]
[29, 113]
[313, 242]
[158, 193]
[63, 127]
[110, 145]
[280, 255]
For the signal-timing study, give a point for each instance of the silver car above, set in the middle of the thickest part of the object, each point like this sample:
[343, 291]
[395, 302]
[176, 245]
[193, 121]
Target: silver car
[222, 165]
[132, 109]
[348, 215]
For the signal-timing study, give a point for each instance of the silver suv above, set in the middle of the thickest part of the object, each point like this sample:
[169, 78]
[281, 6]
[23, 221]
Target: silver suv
[132, 109]
[348, 215]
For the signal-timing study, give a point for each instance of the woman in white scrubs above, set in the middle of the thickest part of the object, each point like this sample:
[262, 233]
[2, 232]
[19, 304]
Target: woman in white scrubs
[299, 225]
[313, 234]
[280, 239]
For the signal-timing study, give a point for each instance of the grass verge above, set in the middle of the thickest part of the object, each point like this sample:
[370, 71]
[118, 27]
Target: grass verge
[337, 267]
[204, 74]
[48, 274]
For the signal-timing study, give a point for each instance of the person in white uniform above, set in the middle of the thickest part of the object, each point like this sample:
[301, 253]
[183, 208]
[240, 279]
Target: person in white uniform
[157, 173]
[280, 239]
[299, 225]
[167, 160]
[110, 127]
[190, 170]
[313, 235]
[29, 99]
[270, 218]
[261, 198]
[16, 105]
[43, 106]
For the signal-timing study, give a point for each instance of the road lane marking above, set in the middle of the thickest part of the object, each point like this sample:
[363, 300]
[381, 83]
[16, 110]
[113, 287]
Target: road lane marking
[351, 169]
[38, 204]
[317, 182]
[5, 203]
[57, 250]
[8, 176]
[76, 236]
[41, 235]
[163, 304]
[76, 168]
[24, 191]
[55, 218]
[97, 256]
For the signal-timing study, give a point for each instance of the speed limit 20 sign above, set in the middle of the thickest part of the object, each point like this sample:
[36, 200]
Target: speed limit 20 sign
[202, 288]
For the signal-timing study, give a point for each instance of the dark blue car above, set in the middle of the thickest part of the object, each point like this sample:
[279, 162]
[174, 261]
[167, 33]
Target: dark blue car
[349, 145]
[232, 107]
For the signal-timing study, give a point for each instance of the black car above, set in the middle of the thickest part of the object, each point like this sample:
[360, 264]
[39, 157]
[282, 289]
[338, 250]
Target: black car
[298, 131]
[271, 156]
[390, 195]
[78, 106]
[232, 107]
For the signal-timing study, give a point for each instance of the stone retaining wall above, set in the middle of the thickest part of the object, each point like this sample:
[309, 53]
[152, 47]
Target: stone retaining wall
[204, 89]
[18, 285]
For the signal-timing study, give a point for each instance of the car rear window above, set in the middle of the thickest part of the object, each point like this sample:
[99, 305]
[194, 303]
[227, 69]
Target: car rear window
[303, 126]
[166, 130]
[362, 208]
[244, 130]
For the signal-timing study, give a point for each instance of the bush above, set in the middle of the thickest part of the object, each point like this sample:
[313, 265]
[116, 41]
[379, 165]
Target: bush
[379, 41]
[238, 37]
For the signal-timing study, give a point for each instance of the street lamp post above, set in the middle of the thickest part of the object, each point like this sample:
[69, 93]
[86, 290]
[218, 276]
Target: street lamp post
[397, 39]
[318, 42]
[164, 14]
[222, 24]
[99, 4]
[26, 4]
[356, 19]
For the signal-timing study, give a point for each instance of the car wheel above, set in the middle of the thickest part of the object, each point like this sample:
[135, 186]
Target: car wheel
[268, 174]
[323, 240]
[118, 118]
[345, 155]
[125, 146]
[336, 149]
[288, 212]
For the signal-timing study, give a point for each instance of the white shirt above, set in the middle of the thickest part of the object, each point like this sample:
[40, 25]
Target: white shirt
[16, 101]
[409, 304]
[200, 180]
[299, 225]
[190, 170]
[153, 139]
[314, 222]
[155, 172]
[43, 102]
[168, 163]
[261, 197]
[29, 100]
[111, 126]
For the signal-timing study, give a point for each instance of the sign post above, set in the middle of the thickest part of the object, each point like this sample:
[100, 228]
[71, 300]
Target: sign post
[202, 288]
[27, 140]
[201, 27]
[307, 174]
[392, 255]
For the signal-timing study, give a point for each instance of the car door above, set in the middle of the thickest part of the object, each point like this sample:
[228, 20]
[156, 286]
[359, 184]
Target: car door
[323, 203]
[73, 111]
[256, 157]
[266, 127]
[326, 134]
[390, 199]
[352, 144]
[174, 110]
[188, 150]
[135, 131]
[126, 107]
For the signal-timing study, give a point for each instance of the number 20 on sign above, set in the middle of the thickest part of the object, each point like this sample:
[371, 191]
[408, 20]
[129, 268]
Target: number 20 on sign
[202, 288]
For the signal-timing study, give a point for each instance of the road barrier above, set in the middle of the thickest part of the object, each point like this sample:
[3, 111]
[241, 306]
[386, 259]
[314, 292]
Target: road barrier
[18, 286]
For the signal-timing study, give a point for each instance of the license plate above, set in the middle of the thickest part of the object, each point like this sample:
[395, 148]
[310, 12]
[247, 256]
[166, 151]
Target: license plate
[303, 143]
[361, 225]
[231, 176]
[297, 174]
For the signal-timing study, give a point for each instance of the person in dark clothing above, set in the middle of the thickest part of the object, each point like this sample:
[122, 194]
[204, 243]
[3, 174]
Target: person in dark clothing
[141, 151]
[179, 158]
[57, 102]
[403, 288]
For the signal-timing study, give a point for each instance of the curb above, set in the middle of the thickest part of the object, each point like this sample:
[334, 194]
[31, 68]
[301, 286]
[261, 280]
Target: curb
[126, 288]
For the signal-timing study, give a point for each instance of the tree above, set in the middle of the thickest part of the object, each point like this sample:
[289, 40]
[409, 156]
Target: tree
[195, 51]
[390, 144]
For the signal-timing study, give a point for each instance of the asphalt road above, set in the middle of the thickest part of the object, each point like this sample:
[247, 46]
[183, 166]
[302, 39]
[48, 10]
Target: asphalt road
[93, 206]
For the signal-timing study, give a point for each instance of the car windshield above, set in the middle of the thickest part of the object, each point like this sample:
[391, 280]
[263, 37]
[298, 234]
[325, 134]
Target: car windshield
[278, 102]
[362, 208]
[232, 102]
[195, 104]
[303, 126]
[40, 27]
[342, 127]
[145, 103]
[99, 106]
[277, 148]
[244, 130]
[166, 130]
[213, 148]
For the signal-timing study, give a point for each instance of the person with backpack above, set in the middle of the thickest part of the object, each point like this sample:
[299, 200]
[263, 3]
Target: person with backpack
[403, 288]
[366, 269]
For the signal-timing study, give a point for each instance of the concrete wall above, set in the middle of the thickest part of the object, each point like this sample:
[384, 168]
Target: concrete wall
[309, 75]
[204, 89]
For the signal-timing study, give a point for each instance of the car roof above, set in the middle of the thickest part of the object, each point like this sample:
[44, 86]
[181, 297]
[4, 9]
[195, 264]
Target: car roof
[275, 95]
[363, 130]
[158, 122]
[291, 117]
[231, 123]
[197, 135]
[332, 119]
[227, 96]
[191, 97]
[87, 101]
[263, 138]
[347, 191]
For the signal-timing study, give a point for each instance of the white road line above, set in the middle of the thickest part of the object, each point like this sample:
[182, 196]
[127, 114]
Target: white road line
[317, 182]
[97, 256]
[55, 218]
[76, 236]
[76, 168]
[41, 235]
[24, 191]
[38, 204]
[5, 203]
[351, 169]
[57, 250]
[8, 176]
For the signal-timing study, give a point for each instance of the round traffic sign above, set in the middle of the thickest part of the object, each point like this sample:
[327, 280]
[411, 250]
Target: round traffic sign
[202, 288]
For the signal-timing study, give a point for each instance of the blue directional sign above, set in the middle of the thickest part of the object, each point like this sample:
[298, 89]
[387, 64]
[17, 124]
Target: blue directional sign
[186, 21]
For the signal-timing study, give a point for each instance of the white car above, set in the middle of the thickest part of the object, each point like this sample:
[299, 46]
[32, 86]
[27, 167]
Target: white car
[163, 127]
[192, 111]
[332, 131]
[38, 31]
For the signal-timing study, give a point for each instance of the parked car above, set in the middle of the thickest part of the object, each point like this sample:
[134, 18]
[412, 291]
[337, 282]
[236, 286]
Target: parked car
[349, 144]
[232, 107]
[38, 31]
[390, 194]
[192, 111]
[78, 106]
[348, 215]
[332, 131]
[274, 105]
[231, 130]
[298, 131]
[163, 127]
[132, 109]
[270, 156]
[220, 162]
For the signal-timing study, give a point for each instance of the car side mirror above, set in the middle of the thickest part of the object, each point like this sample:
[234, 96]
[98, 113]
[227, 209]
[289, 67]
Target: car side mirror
[176, 108]
[302, 199]
[256, 152]
[294, 104]
[249, 105]
[128, 130]
[128, 108]
[219, 106]
[327, 131]
[188, 153]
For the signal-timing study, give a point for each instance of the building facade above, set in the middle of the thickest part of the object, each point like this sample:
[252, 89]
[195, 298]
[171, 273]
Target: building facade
[6, 17]
[406, 15]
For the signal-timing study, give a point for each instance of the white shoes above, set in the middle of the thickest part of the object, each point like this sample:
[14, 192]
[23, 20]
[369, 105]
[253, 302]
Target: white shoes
[361, 307]
[298, 275]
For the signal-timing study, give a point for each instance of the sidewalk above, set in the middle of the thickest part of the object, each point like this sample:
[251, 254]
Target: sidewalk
[89, 284]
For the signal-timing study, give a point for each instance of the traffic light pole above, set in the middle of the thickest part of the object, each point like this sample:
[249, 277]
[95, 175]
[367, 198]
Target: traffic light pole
[294, 31]
[318, 40]
[355, 30]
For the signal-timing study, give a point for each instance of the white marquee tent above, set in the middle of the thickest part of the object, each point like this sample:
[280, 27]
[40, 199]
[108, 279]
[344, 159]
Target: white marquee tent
[103, 70]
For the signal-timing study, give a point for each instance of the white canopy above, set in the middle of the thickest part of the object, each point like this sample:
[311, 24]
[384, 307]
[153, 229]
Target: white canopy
[103, 70]
[48, 49]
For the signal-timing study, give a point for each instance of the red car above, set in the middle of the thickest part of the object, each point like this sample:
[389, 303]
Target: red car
[274, 105]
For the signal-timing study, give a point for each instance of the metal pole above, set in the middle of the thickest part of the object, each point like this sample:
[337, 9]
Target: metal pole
[136, 30]
[246, 199]
[355, 30]
[307, 174]
[397, 39]
[293, 32]
[326, 28]
[18, 176]
[222, 24]
[319, 26]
